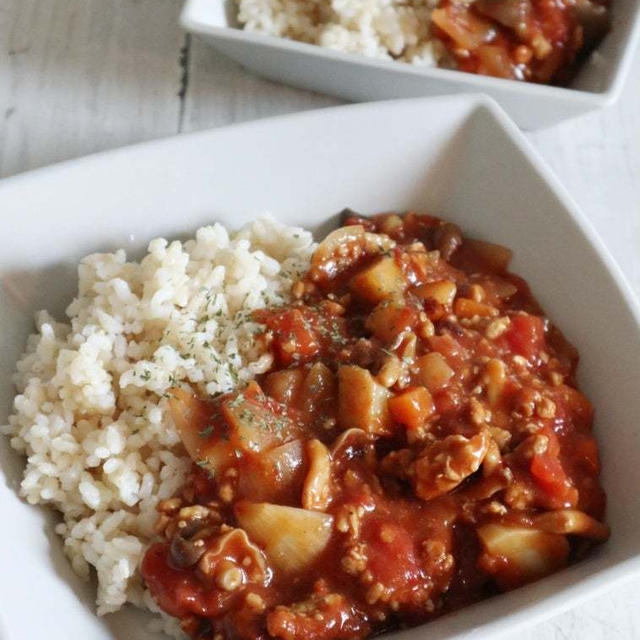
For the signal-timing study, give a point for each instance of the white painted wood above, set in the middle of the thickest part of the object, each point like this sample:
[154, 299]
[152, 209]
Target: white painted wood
[78, 76]
[221, 93]
[597, 157]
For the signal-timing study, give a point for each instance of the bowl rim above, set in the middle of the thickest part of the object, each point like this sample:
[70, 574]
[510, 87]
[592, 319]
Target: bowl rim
[191, 22]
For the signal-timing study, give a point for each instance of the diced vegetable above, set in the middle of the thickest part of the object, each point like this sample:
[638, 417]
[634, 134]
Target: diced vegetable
[502, 288]
[495, 61]
[349, 444]
[189, 415]
[202, 435]
[524, 554]
[291, 538]
[445, 345]
[551, 477]
[391, 224]
[412, 407]
[443, 291]
[362, 402]
[318, 391]
[214, 434]
[447, 239]
[253, 424]
[572, 522]
[549, 474]
[383, 279]
[284, 385]
[433, 371]
[275, 475]
[390, 318]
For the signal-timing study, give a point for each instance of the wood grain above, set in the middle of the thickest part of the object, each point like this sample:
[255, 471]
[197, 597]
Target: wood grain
[221, 93]
[597, 158]
[79, 76]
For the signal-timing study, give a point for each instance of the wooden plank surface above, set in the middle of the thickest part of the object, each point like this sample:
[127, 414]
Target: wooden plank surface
[597, 157]
[79, 76]
[220, 93]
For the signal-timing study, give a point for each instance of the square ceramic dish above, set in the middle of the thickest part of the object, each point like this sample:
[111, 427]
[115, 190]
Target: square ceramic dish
[459, 157]
[359, 78]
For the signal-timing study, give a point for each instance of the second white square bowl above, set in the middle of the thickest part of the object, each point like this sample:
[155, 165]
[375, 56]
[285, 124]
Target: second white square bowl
[359, 78]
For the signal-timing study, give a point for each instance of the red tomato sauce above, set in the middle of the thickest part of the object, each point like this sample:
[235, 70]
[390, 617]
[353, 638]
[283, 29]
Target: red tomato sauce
[418, 444]
[535, 40]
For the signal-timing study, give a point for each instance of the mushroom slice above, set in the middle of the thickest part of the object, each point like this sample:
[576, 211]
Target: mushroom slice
[495, 378]
[235, 549]
[572, 522]
[493, 459]
[342, 248]
[291, 538]
[316, 491]
[185, 552]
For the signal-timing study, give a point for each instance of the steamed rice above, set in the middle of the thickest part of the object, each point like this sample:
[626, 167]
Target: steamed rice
[91, 414]
[387, 29]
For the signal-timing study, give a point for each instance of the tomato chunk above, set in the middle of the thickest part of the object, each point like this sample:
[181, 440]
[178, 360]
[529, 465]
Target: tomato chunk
[294, 338]
[525, 336]
[390, 550]
[178, 591]
[549, 474]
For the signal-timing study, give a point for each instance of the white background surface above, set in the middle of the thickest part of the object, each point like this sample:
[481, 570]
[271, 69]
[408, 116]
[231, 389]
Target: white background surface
[78, 76]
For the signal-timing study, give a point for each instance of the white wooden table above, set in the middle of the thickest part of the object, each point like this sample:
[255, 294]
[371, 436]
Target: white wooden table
[78, 76]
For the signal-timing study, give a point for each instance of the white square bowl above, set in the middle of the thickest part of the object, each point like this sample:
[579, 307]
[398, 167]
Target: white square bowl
[359, 78]
[458, 157]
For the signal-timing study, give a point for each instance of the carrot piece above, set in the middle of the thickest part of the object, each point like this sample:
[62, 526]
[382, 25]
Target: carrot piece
[412, 407]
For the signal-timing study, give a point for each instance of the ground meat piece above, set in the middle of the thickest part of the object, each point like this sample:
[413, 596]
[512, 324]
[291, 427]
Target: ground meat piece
[327, 616]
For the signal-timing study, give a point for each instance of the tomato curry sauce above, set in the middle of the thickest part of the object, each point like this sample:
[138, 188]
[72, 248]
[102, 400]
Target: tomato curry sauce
[418, 444]
[536, 40]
